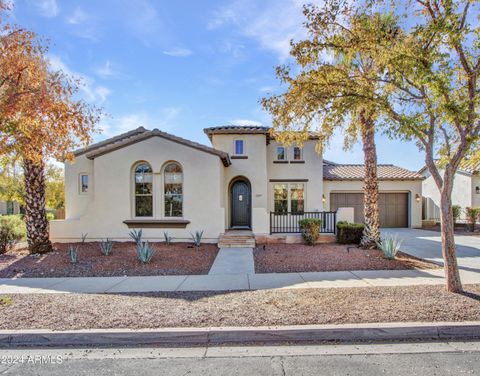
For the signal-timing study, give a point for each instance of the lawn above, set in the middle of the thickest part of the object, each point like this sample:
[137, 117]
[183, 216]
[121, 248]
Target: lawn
[242, 308]
[286, 258]
[174, 259]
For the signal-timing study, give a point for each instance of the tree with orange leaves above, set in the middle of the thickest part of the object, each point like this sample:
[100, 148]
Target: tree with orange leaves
[40, 118]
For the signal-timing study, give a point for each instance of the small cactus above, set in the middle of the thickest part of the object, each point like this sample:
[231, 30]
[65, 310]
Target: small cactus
[73, 253]
[136, 236]
[145, 252]
[197, 238]
[168, 238]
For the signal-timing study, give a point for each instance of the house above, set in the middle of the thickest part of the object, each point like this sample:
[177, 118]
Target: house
[159, 182]
[9, 207]
[465, 193]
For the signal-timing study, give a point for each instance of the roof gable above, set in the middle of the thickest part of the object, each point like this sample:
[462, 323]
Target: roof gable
[141, 134]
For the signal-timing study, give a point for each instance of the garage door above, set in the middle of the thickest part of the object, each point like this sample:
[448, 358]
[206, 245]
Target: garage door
[393, 207]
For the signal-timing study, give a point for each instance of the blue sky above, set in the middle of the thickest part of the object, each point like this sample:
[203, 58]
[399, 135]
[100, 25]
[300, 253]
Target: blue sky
[181, 65]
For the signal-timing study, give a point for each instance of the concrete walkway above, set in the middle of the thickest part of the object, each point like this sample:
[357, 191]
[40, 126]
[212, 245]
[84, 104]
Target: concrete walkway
[233, 261]
[226, 282]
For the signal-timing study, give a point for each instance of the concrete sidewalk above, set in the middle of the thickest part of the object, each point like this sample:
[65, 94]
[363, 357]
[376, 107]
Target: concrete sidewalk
[226, 282]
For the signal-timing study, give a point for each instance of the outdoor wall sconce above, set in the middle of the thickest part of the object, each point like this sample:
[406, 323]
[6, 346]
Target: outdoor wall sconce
[417, 197]
[477, 190]
[324, 199]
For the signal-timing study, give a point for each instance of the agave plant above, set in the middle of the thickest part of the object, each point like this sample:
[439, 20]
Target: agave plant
[168, 238]
[73, 253]
[389, 245]
[197, 238]
[145, 252]
[106, 246]
[84, 237]
[136, 236]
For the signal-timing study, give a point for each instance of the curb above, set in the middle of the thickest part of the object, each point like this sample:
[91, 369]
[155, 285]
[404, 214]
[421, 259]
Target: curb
[217, 335]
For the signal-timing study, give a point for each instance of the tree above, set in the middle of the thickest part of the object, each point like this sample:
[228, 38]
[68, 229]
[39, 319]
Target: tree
[337, 83]
[432, 96]
[40, 118]
[55, 187]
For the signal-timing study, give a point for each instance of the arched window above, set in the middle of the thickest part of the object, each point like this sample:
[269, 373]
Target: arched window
[173, 193]
[143, 181]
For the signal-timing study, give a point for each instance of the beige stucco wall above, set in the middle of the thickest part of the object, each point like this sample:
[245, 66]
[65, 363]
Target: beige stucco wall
[463, 193]
[254, 168]
[3, 207]
[101, 212]
[413, 187]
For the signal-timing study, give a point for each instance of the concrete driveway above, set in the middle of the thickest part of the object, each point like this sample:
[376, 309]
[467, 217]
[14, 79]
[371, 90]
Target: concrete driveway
[427, 245]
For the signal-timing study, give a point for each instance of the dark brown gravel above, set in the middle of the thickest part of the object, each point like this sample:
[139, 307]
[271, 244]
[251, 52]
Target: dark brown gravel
[244, 308]
[174, 259]
[289, 258]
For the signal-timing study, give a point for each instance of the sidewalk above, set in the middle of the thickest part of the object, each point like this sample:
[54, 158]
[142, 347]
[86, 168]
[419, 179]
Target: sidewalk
[226, 282]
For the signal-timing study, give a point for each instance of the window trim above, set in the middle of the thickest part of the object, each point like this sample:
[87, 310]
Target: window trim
[80, 183]
[244, 147]
[134, 194]
[163, 194]
[288, 183]
[293, 155]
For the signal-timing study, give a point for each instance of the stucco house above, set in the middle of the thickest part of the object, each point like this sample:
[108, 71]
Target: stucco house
[9, 207]
[466, 190]
[159, 182]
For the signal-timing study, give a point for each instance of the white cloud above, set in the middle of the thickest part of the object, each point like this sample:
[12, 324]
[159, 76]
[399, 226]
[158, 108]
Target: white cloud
[90, 91]
[178, 52]
[108, 70]
[164, 120]
[245, 122]
[265, 89]
[47, 8]
[77, 17]
[271, 23]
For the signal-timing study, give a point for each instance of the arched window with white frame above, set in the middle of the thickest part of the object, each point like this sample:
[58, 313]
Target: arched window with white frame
[143, 189]
[173, 190]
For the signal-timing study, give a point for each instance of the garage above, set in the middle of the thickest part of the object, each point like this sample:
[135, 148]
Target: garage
[393, 207]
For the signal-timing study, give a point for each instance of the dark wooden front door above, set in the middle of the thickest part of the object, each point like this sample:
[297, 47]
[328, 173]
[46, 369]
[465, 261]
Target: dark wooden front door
[240, 205]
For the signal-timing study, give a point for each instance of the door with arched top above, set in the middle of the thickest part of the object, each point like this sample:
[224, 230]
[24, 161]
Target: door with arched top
[240, 198]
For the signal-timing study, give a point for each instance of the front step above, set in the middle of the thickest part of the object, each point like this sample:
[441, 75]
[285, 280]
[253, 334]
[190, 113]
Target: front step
[236, 239]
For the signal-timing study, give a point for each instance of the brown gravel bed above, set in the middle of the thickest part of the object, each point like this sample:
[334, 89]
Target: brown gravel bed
[289, 258]
[174, 259]
[243, 308]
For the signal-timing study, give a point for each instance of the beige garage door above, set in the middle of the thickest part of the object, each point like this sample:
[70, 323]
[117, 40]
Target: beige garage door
[393, 207]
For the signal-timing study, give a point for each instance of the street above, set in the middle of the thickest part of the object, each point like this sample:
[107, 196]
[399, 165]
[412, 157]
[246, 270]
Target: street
[439, 358]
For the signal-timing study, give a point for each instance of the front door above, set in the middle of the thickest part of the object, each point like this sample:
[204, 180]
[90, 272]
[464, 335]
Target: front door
[240, 208]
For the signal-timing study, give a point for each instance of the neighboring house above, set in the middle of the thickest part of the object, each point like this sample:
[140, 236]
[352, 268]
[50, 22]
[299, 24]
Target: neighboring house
[465, 193]
[160, 182]
[9, 207]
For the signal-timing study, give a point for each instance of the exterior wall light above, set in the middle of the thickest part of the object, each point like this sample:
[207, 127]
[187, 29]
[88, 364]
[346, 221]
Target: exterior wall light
[477, 189]
[417, 197]
[324, 199]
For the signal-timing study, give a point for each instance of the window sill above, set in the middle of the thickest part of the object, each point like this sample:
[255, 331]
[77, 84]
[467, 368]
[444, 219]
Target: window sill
[156, 223]
[239, 157]
[297, 161]
[280, 161]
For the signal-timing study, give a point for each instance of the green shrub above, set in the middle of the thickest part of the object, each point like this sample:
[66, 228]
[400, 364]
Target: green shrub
[50, 216]
[12, 230]
[349, 233]
[472, 217]
[310, 228]
[457, 210]
[389, 245]
[106, 246]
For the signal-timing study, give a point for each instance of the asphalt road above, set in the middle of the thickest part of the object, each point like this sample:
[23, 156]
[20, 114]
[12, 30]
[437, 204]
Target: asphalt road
[442, 358]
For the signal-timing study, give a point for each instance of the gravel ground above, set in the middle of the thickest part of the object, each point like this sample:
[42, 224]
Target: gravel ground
[174, 259]
[286, 258]
[241, 308]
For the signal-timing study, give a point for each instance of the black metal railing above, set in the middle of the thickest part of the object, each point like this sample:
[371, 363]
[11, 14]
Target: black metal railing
[281, 223]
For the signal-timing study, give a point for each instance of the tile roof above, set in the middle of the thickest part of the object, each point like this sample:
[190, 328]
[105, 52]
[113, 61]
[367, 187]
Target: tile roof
[140, 134]
[470, 166]
[332, 171]
[244, 129]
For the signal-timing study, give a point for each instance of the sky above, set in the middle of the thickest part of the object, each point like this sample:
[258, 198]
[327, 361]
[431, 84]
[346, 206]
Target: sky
[181, 65]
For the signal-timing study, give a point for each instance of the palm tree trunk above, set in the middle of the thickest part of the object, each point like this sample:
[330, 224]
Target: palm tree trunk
[35, 215]
[371, 233]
